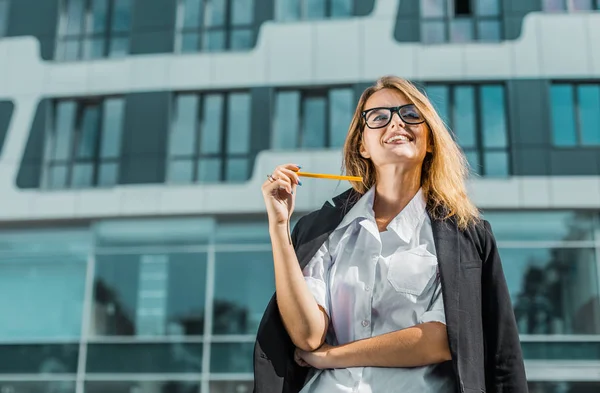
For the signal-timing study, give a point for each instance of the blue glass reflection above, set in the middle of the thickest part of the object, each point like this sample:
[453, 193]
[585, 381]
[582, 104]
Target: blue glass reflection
[588, 97]
[286, 122]
[554, 291]
[493, 116]
[464, 115]
[314, 119]
[563, 115]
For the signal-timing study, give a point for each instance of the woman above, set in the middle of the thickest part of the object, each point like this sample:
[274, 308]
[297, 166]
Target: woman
[398, 286]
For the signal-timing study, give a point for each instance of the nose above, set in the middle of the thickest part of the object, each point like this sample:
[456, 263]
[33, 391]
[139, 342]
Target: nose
[399, 121]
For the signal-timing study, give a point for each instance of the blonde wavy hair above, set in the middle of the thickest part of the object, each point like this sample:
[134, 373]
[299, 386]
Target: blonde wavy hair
[444, 170]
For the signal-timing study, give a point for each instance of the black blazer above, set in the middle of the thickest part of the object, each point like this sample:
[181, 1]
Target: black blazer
[482, 332]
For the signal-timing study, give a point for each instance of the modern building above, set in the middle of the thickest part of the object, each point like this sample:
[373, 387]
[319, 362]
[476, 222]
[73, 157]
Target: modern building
[135, 135]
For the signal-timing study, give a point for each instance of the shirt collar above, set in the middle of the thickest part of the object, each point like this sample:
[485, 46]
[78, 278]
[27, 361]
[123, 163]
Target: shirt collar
[404, 224]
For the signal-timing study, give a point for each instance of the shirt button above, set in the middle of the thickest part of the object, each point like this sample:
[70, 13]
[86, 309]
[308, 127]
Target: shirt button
[367, 288]
[365, 323]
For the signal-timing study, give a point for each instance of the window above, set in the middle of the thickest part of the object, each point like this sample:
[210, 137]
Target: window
[291, 10]
[93, 29]
[4, 5]
[477, 116]
[83, 145]
[315, 118]
[575, 111]
[460, 21]
[570, 5]
[210, 138]
[215, 25]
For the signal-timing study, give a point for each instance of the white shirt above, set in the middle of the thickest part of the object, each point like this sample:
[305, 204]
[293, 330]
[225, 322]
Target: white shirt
[372, 283]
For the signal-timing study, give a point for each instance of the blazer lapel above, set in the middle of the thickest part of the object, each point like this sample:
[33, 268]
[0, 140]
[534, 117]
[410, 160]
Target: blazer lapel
[447, 245]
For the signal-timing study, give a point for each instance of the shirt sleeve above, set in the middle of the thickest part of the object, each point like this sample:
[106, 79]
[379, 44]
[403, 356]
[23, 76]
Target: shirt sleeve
[315, 275]
[436, 311]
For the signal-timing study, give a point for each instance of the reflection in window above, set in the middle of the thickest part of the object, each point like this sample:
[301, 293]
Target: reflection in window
[240, 298]
[554, 291]
[477, 116]
[292, 10]
[142, 386]
[149, 294]
[231, 357]
[215, 25]
[175, 357]
[460, 21]
[40, 358]
[570, 5]
[4, 4]
[83, 146]
[63, 386]
[93, 29]
[564, 387]
[575, 114]
[316, 118]
[231, 386]
[210, 138]
[42, 276]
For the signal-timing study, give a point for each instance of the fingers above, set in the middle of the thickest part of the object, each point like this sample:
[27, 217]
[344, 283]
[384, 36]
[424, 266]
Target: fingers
[283, 177]
[299, 361]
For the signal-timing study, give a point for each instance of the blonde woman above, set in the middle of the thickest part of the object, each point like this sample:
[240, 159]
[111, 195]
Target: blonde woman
[398, 286]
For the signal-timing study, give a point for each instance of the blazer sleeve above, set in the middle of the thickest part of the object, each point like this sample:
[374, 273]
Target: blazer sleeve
[504, 368]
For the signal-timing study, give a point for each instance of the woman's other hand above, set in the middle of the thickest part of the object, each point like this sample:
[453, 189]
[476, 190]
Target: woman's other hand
[279, 192]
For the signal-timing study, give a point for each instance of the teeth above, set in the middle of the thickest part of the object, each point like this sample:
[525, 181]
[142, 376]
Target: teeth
[397, 138]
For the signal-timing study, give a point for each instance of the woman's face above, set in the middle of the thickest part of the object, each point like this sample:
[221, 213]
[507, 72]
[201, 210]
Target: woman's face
[398, 142]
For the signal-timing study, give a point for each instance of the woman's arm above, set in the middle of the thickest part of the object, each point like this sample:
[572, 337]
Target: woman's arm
[504, 368]
[304, 320]
[419, 345]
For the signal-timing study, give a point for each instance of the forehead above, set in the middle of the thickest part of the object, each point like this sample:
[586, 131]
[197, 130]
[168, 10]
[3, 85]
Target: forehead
[387, 97]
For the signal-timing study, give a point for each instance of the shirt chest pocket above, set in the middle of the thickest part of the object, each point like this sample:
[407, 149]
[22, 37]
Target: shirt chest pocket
[410, 271]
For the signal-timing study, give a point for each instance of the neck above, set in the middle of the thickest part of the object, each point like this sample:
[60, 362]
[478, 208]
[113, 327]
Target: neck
[395, 188]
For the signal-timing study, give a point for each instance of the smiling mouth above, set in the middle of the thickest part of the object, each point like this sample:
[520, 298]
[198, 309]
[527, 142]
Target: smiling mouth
[398, 139]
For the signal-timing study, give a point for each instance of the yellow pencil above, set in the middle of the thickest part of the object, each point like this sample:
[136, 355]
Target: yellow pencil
[326, 176]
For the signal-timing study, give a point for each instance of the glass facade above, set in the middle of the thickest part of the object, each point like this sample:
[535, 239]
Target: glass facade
[173, 304]
[209, 140]
[292, 10]
[460, 21]
[93, 29]
[575, 109]
[4, 4]
[315, 118]
[569, 5]
[477, 115]
[215, 25]
[83, 143]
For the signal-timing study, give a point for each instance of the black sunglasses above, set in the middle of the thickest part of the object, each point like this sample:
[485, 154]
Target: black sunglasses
[381, 116]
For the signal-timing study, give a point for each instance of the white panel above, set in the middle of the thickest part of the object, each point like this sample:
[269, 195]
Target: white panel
[24, 71]
[233, 199]
[187, 71]
[54, 204]
[593, 30]
[487, 61]
[142, 199]
[495, 193]
[525, 50]
[98, 203]
[148, 74]
[335, 59]
[63, 79]
[564, 49]
[17, 206]
[580, 191]
[535, 192]
[109, 76]
[234, 69]
[383, 55]
[290, 52]
[440, 62]
[182, 199]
